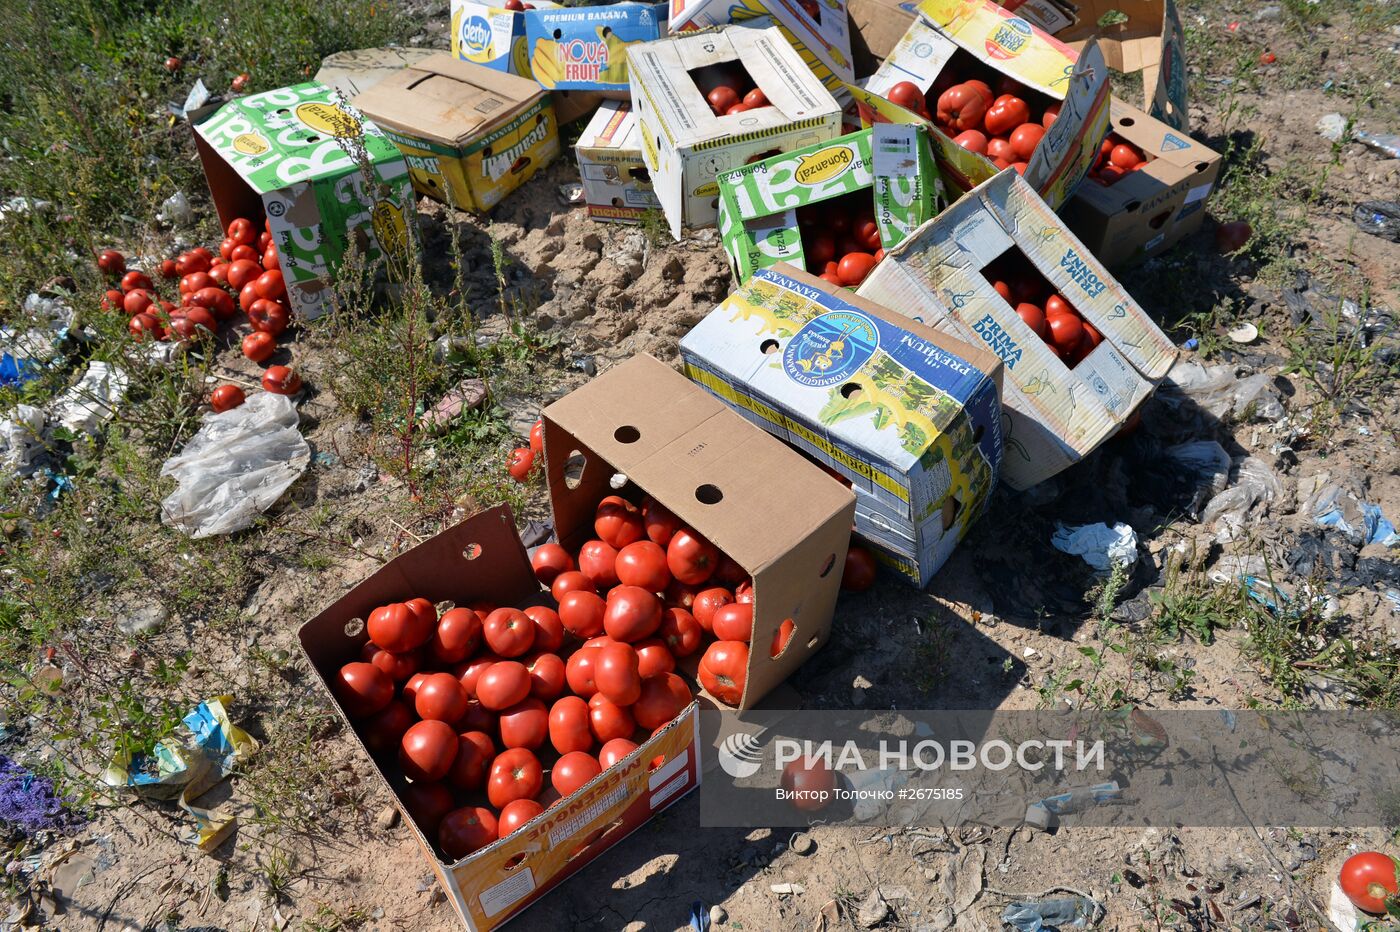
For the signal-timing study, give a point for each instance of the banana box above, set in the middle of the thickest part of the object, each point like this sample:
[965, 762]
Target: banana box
[909, 416]
[686, 146]
[759, 202]
[616, 183]
[290, 156]
[490, 35]
[1055, 415]
[470, 134]
[585, 48]
[951, 35]
[817, 29]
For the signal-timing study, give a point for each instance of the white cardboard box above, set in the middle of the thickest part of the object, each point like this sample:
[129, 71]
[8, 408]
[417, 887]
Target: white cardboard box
[616, 183]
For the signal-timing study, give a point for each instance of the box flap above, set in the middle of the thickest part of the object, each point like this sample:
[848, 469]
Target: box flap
[1148, 39]
[612, 127]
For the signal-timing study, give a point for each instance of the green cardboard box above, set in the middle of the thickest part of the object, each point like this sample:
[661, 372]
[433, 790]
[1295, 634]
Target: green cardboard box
[285, 155]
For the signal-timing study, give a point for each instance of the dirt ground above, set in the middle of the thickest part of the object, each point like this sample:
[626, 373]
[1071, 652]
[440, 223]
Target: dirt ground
[1002, 626]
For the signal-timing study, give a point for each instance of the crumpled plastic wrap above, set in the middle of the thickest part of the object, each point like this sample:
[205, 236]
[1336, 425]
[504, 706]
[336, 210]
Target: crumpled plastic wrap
[1218, 391]
[239, 463]
[1099, 545]
[1229, 511]
[21, 437]
[86, 406]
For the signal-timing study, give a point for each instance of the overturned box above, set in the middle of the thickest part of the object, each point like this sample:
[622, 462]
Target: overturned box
[686, 145]
[910, 416]
[482, 559]
[586, 48]
[286, 155]
[1148, 211]
[616, 183]
[1056, 415]
[783, 520]
[470, 134]
[759, 203]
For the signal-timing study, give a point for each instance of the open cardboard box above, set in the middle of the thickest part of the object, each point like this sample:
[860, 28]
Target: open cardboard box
[773, 512]
[482, 559]
[1150, 41]
[909, 416]
[470, 134]
[1056, 415]
[1148, 211]
[949, 31]
[616, 184]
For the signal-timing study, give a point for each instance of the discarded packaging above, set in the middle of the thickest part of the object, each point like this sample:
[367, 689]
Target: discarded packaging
[1379, 218]
[1041, 813]
[1362, 522]
[1335, 127]
[237, 465]
[1219, 392]
[89, 404]
[616, 184]
[1230, 511]
[1078, 912]
[1144, 36]
[490, 35]
[21, 438]
[1099, 545]
[587, 48]
[357, 70]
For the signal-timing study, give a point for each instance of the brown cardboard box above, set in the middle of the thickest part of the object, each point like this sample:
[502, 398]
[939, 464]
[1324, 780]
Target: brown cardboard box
[876, 28]
[1150, 41]
[771, 510]
[482, 559]
[1150, 210]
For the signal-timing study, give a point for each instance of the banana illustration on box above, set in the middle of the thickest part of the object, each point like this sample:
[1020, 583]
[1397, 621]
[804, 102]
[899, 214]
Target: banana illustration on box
[615, 72]
[544, 63]
[585, 48]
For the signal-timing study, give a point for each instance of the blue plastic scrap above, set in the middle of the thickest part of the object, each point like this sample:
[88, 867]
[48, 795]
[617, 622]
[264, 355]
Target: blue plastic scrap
[1376, 528]
[15, 371]
[1079, 912]
[699, 917]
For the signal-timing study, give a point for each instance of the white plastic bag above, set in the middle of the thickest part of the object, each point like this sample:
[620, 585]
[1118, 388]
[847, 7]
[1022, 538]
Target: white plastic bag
[1228, 512]
[21, 437]
[1099, 545]
[85, 407]
[239, 463]
[1219, 391]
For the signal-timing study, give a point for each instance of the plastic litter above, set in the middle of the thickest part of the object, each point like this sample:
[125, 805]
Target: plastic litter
[1361, 521]
[22, 351]
[1379, 218]
[21, 438]
[86, 406]
[1206, 459]
[1039, 814]
[1333, 126]
[239, 463]
[1078, 912]
[1229, 510]
[1099, 545]
[176, 210]
[1218, 391]
[699, 917]
[20, 204]
[1244, 333]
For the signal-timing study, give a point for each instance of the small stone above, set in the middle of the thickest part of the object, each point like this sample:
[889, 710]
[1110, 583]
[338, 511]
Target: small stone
[718, 916]
[785, 889]
[802, 843]
[144, 620]
[592, 241]
[873, 911]
[388, 817]
[673, 270]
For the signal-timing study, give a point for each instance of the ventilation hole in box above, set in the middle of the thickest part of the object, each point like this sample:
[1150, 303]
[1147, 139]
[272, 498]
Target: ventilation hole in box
[617, 202]
[812, 644]
[558, 34]
[283, 111]
[446, 605]
[627, 434]
[640, 174]
[1160, 220]
[826, 567]
[656, 763]
[768, 347]
[1132, 206]
[951, 507]
[514, 862]
[977, 434]
[714, 204]
[432, 182]
[782, 638]
[1126, 121]
[471, 551]
[850, 390]
[520, 165]
[313, 138]
[708, 494]
[573, 469]
[1202, 166]
[354, 627]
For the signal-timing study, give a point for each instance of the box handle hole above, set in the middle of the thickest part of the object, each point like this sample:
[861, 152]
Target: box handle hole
[354, 627]
[471, 551]
[627, 434]
[826, 567]
[768, 347]
[850, 390]
[1132, 206]
[782, 638]
[1126, 121]
[515, 861]
[313, 138]
[708, 494]
[1202, 166]
[951, 507]
[977, 434]
[573, 469]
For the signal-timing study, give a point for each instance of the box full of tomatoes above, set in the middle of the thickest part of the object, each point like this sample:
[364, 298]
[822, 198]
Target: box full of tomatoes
[682, 495]
[1000, 268]
[815, 206]
[283, 158]
[998, 92]
[908, 416]
[518, 749]
[1146, 192]
[713, 100]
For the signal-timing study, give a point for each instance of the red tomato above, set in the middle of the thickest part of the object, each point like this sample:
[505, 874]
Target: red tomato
[819, 249]
[525, 724]
[618, 523]
[663, 697]
[858, 574]
[1051, 114]
[1065, 331]
[457, 636]
[517, 813]
[395, 627]
[267, 316]
[583, 613]
[270, 258]
[653, 657]
[226, 398]
[1025, 138]
[743, 593]
[1058, 305]
[853, 268]
[243, 272]
[144, 325]
[832, 278]
[521, 462]
[1229, 237]
[740, 107]
[963, 106]
[537, 436]
[1369, 879]
[631, 614]
[753, 100]
[428, 750]
[242, 231]
[410, 689]
[112, 300]
[598, 561]
[680, 632]
[515, 774]
[1125, 156]
[502, 685]
[615, 673]
[475, 751]
[216, 300]
[867, 232]
[427, 804]
[549, 630]
[247, 298]
[259, 347]
[568, 725]
[226, 248]
[1020, 167]
[509, 632]
[578, 671]
[706, 604]
[572, 771]
[1005, 114]
[679, 595]
[691, 558]
[465, 830]
[659, 522]
[478, 718]
[398, 667]
[137, 302]
[1106, 148]
[614, 751]
[189, 262]
[733, 622]
[1095, 338]
[569, 581]
[1033, 316]
[608, 720]
[202, 321]
[972, 141]
[383, 730]
[111, 262]
[270, 285]
[999, 147]
[548, 561]
[439, 696]
[1110, 174]
[643, 564]
[469, 673]
[134, 279]
[813, 782]
[243, 252]
[363, 689]
[907, 95]
[781, 637]
[724, 670]
[547, 676]
[721, 99]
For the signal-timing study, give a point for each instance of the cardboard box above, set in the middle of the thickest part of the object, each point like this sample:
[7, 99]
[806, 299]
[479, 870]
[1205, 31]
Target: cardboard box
[775, 514]
[482, 559]
[876, 28]
[491, 35]
[1150, 41]
[1011, 46]
[686, 145]
[824, 43]
[759, 202]
[471, 134]
[1056, 415]
[616, 183]
[282, 154]
[1049, 15]
[909, 415]
[585, 48]
[1147, 211]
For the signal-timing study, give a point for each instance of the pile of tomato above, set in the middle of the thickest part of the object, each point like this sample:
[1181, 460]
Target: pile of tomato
[999, 117]
[1117, 157]
[247, 265]
[840, 239]
[1043, 309]
[728, 89]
